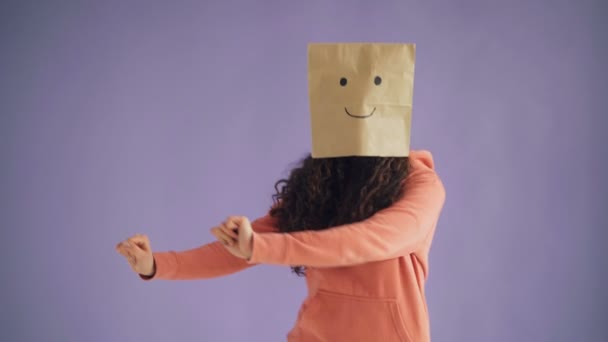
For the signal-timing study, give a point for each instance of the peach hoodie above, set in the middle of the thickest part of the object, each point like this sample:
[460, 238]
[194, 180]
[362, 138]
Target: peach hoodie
[365, 280]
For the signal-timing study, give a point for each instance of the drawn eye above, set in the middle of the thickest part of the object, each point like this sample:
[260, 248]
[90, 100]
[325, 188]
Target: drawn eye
[377, 80]
[343, 81]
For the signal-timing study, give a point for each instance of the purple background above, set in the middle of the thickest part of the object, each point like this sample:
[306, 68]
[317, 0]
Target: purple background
[119, 117]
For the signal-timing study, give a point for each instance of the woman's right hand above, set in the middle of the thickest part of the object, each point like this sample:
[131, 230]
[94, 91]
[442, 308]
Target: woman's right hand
[138, 253]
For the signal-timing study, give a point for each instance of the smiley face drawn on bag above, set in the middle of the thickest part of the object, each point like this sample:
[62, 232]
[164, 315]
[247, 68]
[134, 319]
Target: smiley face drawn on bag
[344, 83]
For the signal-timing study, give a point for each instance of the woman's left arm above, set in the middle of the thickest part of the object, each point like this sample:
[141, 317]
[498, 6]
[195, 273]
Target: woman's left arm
[394, 231]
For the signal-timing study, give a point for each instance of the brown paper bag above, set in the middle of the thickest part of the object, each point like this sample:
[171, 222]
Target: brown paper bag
[360, 98]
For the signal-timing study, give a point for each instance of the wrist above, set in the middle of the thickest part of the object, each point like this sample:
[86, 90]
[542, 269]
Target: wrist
[248, 256]
[152, 273]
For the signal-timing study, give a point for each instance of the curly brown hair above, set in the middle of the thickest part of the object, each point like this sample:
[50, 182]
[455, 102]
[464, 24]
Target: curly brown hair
[325, 192]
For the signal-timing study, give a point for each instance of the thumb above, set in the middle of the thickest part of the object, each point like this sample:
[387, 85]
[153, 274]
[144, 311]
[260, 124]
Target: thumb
[238, 222]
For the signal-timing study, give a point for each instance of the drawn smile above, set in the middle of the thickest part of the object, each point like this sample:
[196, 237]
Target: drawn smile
[360, 116]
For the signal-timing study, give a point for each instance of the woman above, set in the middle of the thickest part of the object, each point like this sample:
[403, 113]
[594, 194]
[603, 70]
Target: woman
[358, 228]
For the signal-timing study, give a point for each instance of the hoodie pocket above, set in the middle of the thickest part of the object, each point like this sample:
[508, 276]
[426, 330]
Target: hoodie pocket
[339, 317]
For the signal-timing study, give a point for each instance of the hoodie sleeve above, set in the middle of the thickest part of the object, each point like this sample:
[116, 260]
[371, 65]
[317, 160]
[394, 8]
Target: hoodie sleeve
[398, 230]
[207, 261]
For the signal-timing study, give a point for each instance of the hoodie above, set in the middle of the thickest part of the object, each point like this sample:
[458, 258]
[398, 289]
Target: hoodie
[365, 280]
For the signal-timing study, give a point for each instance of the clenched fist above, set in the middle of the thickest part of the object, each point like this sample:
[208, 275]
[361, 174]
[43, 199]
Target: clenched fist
[236, 234]
[138, 253]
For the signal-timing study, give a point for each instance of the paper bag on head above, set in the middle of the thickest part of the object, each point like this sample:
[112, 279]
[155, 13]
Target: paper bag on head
[360, 98]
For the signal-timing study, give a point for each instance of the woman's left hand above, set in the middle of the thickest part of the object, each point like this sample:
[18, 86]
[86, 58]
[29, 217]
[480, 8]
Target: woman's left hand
[236, 234]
